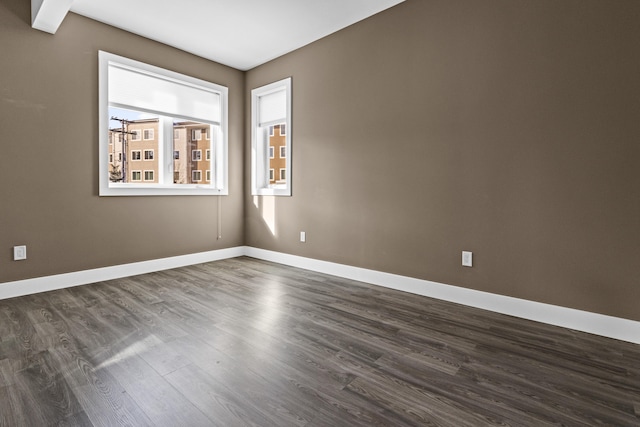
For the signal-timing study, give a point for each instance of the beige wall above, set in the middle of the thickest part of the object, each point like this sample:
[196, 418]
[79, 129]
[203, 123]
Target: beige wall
[507, 128]
[49, 120]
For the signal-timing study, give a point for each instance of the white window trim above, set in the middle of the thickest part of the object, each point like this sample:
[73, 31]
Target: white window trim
[207, 175]
[193, 174]
[139, 155]
[153, 155]
[207, 155]
[272, 151]
[272, 174]
[144, 175]
[193, 155]
[280, 173]
[259, 150]
[150, 132]
[220, 145]
[138, 172]
[285, 152]
[136, 135]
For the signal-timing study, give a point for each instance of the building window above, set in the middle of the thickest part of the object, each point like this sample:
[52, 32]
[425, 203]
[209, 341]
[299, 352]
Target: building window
[283, 128]
[272, 175]
[110, 158]
[272, 151]
[196, 155]
[196, 176]
[176, 155]
[130, 92]
[196, 134]
[135, 155]
[271, 107]
[208, 175]
[148, 175]
[208, 155]
[119, 157]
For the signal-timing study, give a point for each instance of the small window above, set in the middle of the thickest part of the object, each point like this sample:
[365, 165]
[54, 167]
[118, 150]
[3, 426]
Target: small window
[208, 155]
[196, 134]
[148, 154]
[206, 133]
[196, 155]
[271, 108]
[119, 157]
[136, 175]
[272, 175]
[148, 175]
[176, 155]
[110, 158]
[136, 155]
[147, 134]
[135, 135]
[208, 175]
[196, 176]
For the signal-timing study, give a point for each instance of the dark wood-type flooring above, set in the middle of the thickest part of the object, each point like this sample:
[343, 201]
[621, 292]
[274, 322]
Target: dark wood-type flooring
[246, 342]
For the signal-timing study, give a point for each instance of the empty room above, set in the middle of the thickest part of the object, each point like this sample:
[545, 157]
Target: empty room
[320, 213]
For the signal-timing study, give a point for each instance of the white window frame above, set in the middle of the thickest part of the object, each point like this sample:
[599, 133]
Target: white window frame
[193, 155]
[260, 131]
[153, 155]
[272, 151]
[208, 175]
[285, 130]
[193, 175]
[272, 174]
[280, 174]
[165, 184]
[136, 135]
[283, 155]
[139, 156]
[139, 172]
[144, 177]
[144, 133]
[207, 155]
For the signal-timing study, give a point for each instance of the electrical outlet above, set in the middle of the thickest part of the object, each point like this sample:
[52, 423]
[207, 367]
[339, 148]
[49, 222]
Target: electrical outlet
[303, 236]
[19, 253]
[467, 259]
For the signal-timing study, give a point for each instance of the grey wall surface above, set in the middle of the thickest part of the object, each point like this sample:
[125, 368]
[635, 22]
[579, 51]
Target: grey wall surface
[507, 128]
[49, 155]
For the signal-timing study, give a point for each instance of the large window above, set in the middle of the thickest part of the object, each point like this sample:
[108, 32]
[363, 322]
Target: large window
[153, 112]
[270, 134]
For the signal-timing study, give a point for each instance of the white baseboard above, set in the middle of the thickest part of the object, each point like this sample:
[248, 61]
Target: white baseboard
[594, 323]
[68, 280]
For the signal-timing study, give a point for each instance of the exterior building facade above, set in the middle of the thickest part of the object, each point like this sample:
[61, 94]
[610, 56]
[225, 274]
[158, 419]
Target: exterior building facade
[277, 154]
[134, 149]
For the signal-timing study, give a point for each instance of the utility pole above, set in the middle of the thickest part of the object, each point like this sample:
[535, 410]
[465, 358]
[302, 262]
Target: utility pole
[124, 132]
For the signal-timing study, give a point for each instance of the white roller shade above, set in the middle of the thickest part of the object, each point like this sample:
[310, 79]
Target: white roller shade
[272, 106]
[152, 92]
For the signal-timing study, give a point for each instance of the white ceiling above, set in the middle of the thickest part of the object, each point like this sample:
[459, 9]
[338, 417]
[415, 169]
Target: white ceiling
[240, 33]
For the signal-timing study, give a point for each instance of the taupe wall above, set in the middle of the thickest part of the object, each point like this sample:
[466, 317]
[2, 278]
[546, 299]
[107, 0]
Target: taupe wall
[49, 157]
[508, 128]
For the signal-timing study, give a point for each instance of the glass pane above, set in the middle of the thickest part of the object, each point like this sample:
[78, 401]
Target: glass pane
[133, 146]
[277, 146]
[192, 152]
